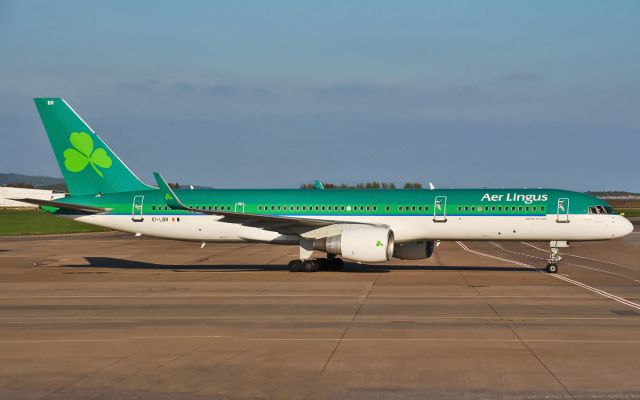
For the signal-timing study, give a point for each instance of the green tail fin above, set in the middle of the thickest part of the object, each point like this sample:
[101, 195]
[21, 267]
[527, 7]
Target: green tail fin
[87, 163]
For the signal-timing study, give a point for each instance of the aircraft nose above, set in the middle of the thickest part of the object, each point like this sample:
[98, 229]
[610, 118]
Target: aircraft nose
[623, 227]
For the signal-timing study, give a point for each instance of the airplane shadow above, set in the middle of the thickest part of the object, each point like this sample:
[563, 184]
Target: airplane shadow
[118, 263]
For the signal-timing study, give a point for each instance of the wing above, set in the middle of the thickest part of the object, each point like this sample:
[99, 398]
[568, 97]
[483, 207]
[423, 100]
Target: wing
[307, 227]
[65, 206]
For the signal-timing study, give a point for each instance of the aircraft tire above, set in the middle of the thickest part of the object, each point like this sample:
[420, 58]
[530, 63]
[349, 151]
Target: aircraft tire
[295, 265]
[310, 266]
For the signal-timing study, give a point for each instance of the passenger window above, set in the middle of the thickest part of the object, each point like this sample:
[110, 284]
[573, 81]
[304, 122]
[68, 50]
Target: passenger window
[341, 208]
[278, 208]
[304, 208]
[534, 208]
[375, 208]
[479, 208]
[322, 208]
[153, 208]
[473, 208]
[499, 208]
[520, 208]
[466, 208]
[387, 208]
[399, 208]
[493, 208]
[541, 208]
[413, 208]
[419, 208]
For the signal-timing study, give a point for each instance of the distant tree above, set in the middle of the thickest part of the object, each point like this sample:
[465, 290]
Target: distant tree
[22, 185]
[412, 185]
[365, 185]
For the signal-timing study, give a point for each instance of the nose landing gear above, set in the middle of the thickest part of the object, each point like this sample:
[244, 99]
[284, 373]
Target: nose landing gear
[554, 256]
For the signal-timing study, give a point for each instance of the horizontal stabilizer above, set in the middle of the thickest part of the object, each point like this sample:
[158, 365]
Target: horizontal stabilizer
[65, 206]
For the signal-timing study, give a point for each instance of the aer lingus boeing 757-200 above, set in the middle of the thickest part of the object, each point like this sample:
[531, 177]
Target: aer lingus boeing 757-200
[360, 225]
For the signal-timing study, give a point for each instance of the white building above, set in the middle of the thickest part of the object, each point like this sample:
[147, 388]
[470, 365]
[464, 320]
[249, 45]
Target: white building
[7, 193]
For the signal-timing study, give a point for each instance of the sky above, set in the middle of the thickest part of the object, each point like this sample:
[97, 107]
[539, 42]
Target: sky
[257, 94]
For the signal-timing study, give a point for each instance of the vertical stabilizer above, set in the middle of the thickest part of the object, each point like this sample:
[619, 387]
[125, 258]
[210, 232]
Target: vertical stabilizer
[88, 165]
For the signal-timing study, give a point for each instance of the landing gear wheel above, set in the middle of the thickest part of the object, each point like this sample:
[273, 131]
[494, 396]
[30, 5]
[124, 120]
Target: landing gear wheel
[295, 265]
[336, 264]
[552, 268]
[323, 264]
[310, 266]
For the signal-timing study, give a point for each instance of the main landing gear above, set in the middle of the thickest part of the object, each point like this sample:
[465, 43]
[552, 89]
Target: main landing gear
[311, 265]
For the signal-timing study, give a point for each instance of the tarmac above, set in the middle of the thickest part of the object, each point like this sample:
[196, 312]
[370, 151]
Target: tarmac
[111, 316]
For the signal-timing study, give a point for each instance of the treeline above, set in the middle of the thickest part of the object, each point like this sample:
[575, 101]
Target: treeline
[366, 185]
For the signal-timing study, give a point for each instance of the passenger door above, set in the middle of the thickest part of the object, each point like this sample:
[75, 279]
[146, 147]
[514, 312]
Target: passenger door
[440, 209]
[563, 210]
[239, 207]
[136, 209]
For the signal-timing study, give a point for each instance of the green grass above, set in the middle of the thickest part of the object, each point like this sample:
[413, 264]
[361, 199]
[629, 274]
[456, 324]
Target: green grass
[35, 222]
[629, 212]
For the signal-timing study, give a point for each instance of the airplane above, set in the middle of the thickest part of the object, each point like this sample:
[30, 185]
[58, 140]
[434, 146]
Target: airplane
[361, 225]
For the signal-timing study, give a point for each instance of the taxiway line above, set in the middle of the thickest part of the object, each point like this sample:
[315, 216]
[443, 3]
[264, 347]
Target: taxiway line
[563, 278]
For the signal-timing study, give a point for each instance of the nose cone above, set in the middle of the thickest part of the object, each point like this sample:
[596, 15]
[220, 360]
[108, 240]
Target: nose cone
[622, 227]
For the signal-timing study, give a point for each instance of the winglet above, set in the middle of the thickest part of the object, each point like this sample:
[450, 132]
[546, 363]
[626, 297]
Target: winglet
[168, 194]
[318, 184]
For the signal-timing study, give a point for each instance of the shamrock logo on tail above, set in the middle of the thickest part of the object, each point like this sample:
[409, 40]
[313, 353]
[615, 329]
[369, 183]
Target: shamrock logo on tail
[82, 154]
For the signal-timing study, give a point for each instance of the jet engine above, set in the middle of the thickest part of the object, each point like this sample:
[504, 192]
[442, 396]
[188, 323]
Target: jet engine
[414, 250]
[366, 244]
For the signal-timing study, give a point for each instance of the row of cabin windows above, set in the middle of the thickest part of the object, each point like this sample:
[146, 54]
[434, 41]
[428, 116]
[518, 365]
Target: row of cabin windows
[210, 208]
[338, 208]
[592, 210]
[499, 208]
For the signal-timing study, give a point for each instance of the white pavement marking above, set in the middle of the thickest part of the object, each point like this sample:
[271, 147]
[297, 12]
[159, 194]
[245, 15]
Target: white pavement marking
[439, 340]
[470, 340]
[400, 318]
[302, 295]
[583, 257]
[574, 282]
[602, 271]
[126, 339]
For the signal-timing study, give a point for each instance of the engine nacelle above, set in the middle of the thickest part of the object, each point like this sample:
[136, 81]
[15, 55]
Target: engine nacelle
[414, 250]
[366, 244]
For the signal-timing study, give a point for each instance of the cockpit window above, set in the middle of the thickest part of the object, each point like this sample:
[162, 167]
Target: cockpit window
[601, 210]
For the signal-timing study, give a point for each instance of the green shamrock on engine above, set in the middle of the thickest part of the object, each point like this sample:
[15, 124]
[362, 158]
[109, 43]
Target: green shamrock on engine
[82, 154]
